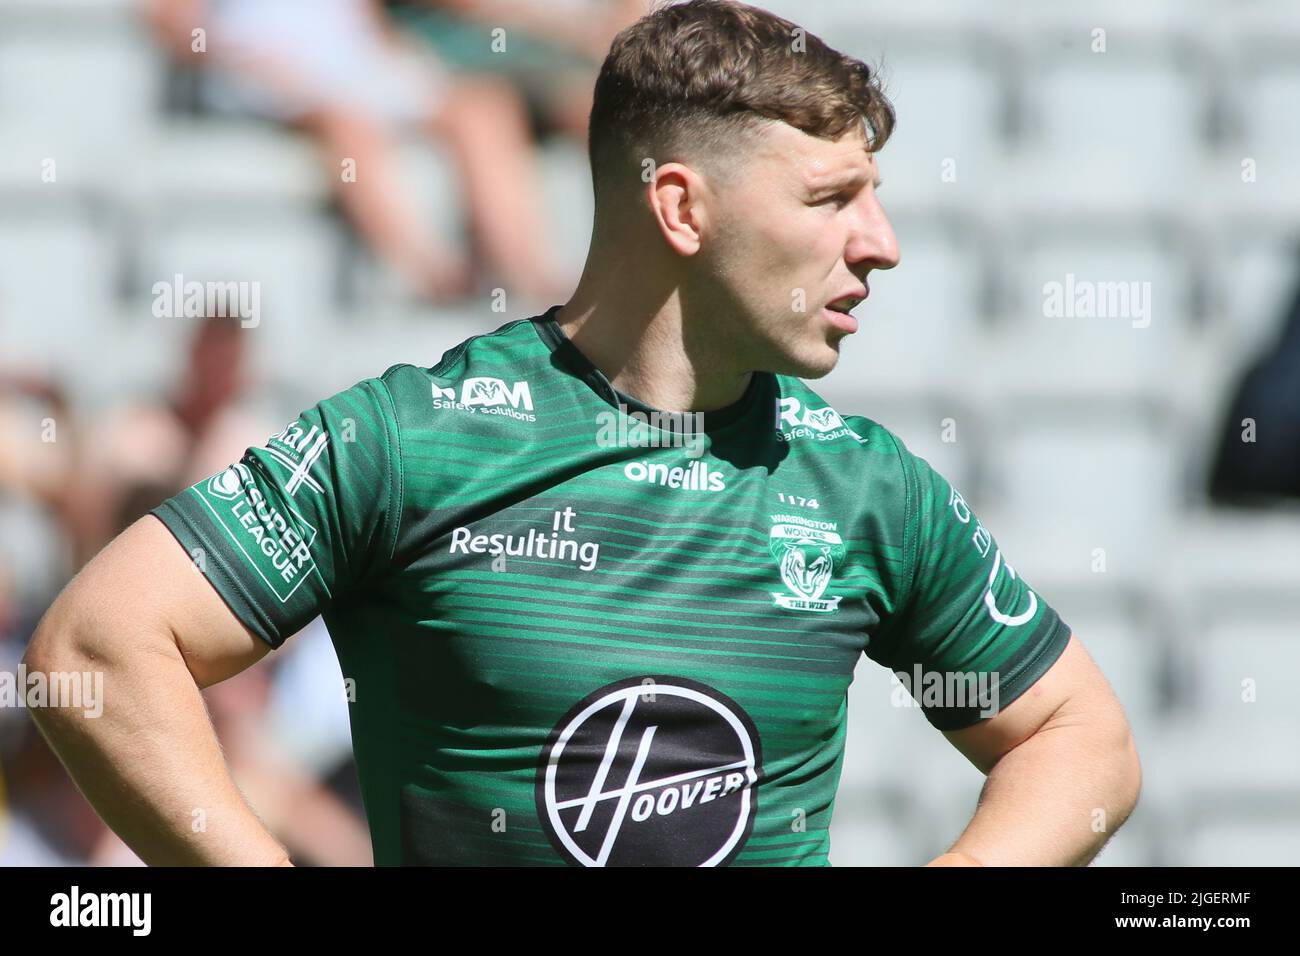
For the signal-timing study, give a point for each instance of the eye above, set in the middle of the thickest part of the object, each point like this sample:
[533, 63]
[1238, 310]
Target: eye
[840, 200]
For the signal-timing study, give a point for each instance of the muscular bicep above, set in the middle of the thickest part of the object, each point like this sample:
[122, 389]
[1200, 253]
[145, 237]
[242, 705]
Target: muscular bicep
[213, 641]
[1073, 687]
[144, 592]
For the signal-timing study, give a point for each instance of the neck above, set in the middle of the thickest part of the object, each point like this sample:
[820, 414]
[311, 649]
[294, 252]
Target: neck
[650, 343]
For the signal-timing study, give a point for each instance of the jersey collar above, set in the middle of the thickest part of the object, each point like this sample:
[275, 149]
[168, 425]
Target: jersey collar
[759, 396]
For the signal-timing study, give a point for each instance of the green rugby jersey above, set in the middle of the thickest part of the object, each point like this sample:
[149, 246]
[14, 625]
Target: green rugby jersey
[574, 630]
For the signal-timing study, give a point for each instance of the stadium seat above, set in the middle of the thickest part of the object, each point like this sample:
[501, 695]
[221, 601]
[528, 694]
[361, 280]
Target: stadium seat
[369, 341]
[1256, 279]
[1140, 92]
[864, 838]
[294, 258]
[1078, 361]
[839, 21]
[918, 326]
[892, 749]
[1152, 17]
[1269, 90]
[1097, 480]
[56, 283]
[1233, 559]
[96, 69]
[921, 428]
[192, 161]
[873, 729]
[1238, 837]
[53, 166]
[1245, 664]
[1108, 274]
[948, 99]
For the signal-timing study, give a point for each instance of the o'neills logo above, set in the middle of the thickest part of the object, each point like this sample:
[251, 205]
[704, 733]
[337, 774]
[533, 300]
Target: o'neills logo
[697, 476]
[806, 552]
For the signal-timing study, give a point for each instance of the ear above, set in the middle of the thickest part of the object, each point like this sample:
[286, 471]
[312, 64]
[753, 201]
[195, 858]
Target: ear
[676, 196]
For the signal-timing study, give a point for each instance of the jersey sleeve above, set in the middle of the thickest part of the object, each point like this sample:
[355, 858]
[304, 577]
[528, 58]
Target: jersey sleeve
[968, 634]
[300, 521]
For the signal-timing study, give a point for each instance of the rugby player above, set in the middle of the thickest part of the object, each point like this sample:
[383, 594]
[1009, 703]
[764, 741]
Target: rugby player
[598, 580]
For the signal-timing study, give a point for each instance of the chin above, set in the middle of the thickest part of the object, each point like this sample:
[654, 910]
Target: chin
[821, 370]
[812, 363]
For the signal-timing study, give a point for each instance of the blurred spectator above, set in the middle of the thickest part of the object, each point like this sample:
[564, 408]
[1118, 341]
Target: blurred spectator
[33, 463]
[334, 69]
[37, 457]
[145, 450]
[47, 822]
[1265, 468]
[550, 53]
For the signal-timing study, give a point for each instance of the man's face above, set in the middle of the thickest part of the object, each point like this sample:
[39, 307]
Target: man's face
[797, 230]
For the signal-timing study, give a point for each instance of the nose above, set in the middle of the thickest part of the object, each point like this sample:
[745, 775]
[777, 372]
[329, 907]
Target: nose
[872, 243]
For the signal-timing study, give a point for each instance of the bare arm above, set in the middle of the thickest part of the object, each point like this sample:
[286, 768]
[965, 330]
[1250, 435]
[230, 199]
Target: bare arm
[1063, 772]
[142, 615]
[173, 21]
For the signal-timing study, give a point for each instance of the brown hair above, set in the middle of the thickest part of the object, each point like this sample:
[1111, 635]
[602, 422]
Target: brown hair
[701, 72]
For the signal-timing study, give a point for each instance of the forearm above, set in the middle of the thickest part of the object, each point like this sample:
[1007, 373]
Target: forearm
[150, 763]
[1055, 799]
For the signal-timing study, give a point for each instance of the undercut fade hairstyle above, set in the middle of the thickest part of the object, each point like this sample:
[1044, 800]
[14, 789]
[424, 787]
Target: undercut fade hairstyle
[700, 75]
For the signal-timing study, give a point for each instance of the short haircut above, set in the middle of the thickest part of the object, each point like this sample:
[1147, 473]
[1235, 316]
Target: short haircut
[699, 75]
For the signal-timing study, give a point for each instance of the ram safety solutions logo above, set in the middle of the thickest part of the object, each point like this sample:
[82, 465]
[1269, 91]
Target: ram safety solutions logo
[491, 396]
[806, 553]
[650, 771]
[795, 420]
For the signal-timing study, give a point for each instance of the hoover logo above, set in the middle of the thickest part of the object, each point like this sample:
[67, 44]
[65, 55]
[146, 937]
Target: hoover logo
[806, 553]
[491, 396]
[650, 771]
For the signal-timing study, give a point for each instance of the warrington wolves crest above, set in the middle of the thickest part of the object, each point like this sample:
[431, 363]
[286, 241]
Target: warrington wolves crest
[806, 557]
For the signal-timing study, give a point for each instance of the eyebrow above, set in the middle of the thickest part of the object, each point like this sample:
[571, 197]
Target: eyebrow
[842, 182]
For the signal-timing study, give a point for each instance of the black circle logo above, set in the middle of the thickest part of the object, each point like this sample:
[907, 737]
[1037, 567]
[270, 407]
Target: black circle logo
[650, 771]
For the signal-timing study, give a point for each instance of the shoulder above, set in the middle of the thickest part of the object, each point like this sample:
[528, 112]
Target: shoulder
[500, 355]
[809, 421]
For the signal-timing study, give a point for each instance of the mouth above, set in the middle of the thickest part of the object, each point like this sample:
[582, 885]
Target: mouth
[840, 310]
[850, 301]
